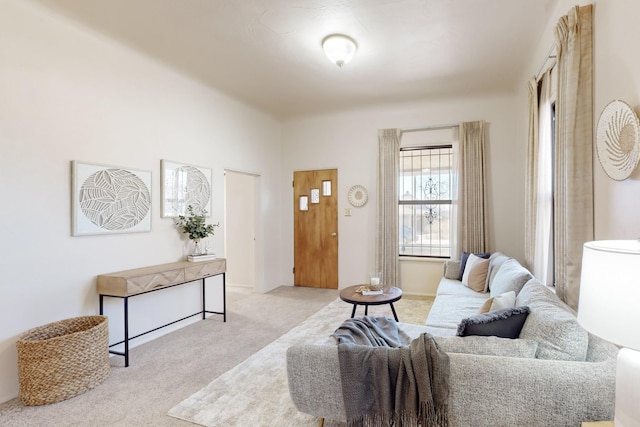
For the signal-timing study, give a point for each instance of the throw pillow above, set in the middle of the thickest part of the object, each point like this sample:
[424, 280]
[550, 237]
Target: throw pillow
[499, 302]
[452, 270]
[488, 346]
[486, 306]
[505, 323]
[496, 261]
[475, 273]
[465, 257]
[510, 277]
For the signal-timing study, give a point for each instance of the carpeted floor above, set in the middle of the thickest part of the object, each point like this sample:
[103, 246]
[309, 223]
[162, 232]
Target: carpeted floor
[170, 369]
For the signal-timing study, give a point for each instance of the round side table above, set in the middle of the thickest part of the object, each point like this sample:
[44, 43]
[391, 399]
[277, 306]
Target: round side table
[389, 296]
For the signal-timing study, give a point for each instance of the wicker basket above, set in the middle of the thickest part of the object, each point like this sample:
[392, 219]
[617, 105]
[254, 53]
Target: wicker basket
[63, 359]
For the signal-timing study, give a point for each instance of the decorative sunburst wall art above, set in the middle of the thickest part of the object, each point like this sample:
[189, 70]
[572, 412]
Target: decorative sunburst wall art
[618, 140]
[109, 199]
[184, 185]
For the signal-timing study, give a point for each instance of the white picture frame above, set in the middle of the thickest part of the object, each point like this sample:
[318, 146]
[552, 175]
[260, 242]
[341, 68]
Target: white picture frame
[183, 185]
[109, 199]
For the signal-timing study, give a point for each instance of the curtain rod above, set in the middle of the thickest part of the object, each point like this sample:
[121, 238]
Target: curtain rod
[434, 127]
[546, 59]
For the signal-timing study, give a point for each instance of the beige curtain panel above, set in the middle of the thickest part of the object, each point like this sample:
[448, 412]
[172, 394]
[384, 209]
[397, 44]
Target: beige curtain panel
[387, 207]
[574, 150]
[531, 175]
[472, 188]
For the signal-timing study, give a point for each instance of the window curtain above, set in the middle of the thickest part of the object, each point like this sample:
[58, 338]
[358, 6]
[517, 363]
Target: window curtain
[387, 207]
[471, 203]
[573, 213]
[531, 177]
[539, 184]
[455, 220]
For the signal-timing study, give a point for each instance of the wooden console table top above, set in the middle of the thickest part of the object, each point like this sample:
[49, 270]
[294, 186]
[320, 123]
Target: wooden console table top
[140, 280]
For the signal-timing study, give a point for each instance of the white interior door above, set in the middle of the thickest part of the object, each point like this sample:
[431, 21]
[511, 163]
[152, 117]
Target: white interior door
[240, 228]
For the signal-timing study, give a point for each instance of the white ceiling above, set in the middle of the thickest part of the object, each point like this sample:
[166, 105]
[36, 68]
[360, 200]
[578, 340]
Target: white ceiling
[267, 53]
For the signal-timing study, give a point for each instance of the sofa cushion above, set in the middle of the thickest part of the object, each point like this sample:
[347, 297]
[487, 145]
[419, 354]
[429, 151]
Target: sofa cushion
[495, 262]
[447, 310]
[511, 276]
[553, 324]
[465, 257]
[499, 302]
[505, 323]
[455, 287]
[488, 346]
[475, 273]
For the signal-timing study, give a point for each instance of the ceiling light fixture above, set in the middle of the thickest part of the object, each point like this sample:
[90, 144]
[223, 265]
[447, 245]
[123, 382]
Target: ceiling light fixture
[339, 48]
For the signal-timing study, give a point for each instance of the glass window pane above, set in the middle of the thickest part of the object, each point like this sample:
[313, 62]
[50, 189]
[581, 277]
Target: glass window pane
[425, 201]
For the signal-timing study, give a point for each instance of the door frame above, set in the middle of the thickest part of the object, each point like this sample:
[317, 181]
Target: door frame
[258, 261]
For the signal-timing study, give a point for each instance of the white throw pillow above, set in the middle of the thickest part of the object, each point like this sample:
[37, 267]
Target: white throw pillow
[499, 302]
[506, 300]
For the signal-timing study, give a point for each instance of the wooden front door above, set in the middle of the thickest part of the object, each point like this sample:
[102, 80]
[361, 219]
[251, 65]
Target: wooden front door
[315, 228]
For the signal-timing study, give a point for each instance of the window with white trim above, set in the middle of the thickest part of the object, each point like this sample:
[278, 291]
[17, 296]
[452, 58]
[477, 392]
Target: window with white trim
[425, 198]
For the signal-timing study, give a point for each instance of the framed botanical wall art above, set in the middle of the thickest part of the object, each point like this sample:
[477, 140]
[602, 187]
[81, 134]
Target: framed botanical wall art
[184, 185]
[109, 199]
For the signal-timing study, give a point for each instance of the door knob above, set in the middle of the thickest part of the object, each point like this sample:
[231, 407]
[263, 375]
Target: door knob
[334, 234]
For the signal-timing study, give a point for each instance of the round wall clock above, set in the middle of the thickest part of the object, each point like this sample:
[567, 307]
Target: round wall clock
[618, 140]
[358, 196]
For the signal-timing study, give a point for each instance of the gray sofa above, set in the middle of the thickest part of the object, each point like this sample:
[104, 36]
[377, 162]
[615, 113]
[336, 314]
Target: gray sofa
[554, 374]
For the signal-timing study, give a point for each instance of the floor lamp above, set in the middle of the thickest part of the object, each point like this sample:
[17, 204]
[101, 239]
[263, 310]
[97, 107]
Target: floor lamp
[610, 308]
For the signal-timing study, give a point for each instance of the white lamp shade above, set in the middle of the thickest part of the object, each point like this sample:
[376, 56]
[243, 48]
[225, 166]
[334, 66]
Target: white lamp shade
[339, 48]
[609, 304]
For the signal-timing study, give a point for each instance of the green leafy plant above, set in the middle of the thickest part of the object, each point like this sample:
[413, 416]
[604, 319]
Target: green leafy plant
[194, 224]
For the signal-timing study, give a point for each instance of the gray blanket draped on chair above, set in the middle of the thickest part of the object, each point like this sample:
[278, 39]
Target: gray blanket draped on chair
[388, 380]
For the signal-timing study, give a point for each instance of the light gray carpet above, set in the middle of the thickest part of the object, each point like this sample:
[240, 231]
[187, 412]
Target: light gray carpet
[169, 369]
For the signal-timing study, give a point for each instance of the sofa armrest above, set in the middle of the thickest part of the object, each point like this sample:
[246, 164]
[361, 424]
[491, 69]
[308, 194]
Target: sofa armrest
[504, 391]
[484, 391]
[313, 372]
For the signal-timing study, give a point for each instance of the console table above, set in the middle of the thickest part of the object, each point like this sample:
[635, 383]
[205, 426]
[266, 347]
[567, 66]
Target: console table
[129, 283]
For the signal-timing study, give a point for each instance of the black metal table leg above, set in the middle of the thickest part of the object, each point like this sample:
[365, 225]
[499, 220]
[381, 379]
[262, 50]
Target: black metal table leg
[395, 316]
[126, 332]
[224, 297]
[353, 312]
[203, 299]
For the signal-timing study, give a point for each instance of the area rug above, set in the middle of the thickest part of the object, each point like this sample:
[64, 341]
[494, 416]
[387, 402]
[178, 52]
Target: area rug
[256, 393]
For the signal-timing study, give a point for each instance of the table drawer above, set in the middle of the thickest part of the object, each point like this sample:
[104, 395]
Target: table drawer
[198, 271]
[140, 280]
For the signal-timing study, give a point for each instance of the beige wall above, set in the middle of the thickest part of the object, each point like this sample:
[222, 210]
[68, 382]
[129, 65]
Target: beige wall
[348, 141]
[70, 94]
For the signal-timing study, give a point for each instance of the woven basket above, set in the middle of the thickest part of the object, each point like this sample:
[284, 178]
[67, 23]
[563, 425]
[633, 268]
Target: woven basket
[63, 359]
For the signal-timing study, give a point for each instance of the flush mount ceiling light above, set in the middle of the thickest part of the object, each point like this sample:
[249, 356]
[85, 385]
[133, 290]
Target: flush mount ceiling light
[339, 48]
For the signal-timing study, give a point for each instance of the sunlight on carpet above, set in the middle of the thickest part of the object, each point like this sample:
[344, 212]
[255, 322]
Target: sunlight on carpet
[256, 392]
